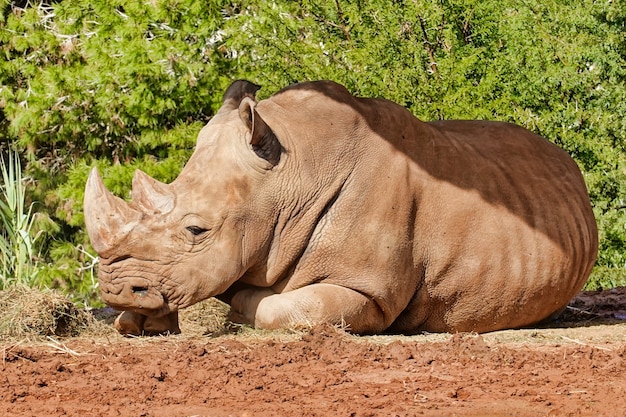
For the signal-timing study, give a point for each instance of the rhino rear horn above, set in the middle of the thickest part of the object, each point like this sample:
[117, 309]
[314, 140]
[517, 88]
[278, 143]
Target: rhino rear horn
[108, 218]
[237, 91]
[262, 139]
[150, 195]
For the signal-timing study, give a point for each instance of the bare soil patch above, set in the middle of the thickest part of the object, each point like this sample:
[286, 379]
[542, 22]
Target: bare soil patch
[572, 367]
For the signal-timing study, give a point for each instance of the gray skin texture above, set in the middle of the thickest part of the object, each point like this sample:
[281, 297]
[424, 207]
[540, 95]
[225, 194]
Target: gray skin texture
[317, 206]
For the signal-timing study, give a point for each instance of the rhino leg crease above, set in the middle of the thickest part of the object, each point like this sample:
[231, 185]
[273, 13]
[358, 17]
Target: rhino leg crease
[244, 305]
[308, 306]
[134, 324]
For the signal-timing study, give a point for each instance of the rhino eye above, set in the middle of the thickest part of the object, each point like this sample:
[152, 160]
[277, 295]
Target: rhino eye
[196, 230]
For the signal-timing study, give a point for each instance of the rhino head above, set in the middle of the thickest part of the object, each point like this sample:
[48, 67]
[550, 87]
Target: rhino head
[176, 244]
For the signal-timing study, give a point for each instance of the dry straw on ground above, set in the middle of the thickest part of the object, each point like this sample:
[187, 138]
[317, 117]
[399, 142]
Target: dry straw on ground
[208, 317]
[34, 314]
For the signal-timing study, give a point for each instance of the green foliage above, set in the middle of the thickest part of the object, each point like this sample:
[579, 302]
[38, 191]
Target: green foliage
[557, 68]
[121, 85]
[18, 265]
[124, 85]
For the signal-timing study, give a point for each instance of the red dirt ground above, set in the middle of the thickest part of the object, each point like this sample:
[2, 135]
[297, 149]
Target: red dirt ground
[575, 367]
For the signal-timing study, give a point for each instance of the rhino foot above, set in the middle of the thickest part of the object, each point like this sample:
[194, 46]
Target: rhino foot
[130, 323]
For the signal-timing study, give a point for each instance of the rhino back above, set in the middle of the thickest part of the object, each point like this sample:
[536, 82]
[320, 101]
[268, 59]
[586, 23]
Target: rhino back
[509, 235]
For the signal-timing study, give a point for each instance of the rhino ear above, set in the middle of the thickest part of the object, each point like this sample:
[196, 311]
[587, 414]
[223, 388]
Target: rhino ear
[150, 195]
[262, 139]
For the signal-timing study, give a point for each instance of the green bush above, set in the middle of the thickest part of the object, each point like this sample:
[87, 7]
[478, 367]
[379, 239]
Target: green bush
[121, 85]
[125, 85]
[555, 67]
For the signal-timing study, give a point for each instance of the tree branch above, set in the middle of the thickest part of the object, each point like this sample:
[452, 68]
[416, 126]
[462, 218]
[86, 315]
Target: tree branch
[428, 45]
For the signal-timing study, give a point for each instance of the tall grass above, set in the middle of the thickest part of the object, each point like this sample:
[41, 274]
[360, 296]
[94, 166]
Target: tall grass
[18, 265]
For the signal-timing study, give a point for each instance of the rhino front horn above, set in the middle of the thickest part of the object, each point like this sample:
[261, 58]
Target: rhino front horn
[108, 218]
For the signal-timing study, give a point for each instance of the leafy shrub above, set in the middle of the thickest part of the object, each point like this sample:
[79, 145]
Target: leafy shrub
[121, 85]
[555, 67]
[124, 85]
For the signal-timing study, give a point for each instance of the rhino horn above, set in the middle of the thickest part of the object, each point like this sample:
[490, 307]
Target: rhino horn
[237, 91]
[150, 195]
[108, 218]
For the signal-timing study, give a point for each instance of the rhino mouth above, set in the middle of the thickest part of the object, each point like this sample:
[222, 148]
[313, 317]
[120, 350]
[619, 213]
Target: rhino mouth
[136, 295]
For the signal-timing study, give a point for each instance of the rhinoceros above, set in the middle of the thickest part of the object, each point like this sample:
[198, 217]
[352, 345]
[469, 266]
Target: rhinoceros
[316, 206]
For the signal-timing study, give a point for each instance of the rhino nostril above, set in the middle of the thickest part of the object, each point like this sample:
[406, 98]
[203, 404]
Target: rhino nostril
[140, 290]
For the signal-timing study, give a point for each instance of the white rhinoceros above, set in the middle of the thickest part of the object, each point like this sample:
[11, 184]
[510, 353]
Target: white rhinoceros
[317, 206]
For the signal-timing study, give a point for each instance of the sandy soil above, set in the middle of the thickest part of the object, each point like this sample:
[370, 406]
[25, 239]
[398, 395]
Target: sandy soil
[572, 367]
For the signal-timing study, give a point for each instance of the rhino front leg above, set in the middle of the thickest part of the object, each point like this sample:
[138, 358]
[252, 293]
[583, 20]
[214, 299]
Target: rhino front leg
[308, 306]
[135, 324]
[130, 323]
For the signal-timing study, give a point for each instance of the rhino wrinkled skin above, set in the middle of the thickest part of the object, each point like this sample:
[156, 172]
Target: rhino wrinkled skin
[317, 206]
